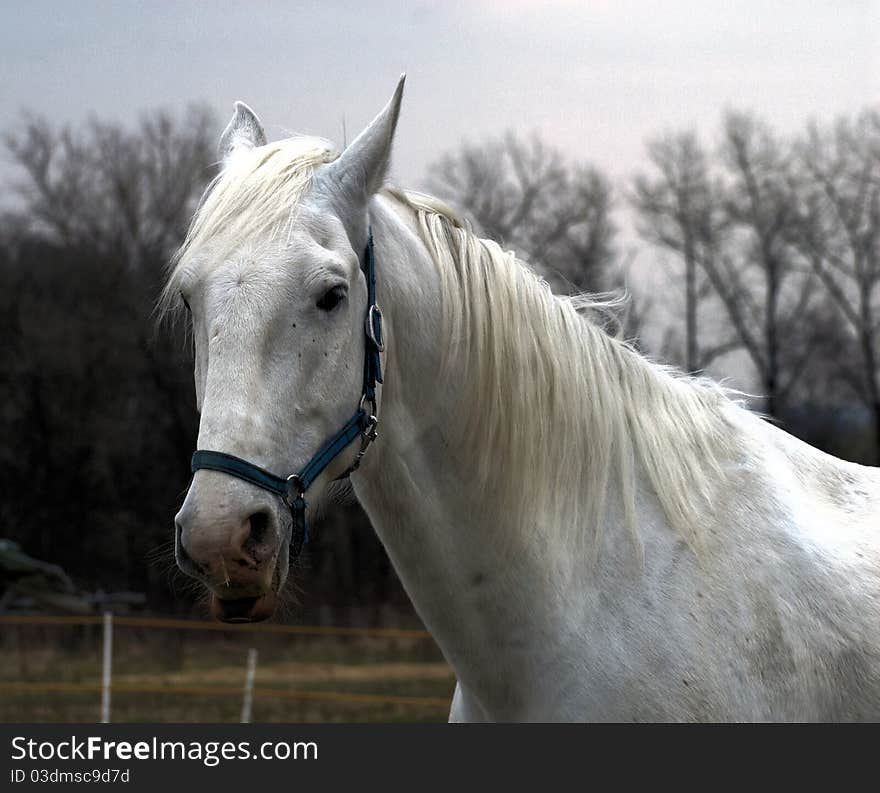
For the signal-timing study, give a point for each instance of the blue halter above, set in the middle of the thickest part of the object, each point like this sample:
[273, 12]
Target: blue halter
[362, 424]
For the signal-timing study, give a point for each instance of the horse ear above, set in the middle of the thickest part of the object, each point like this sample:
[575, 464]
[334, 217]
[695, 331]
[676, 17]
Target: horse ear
[361, 168]
[242, 133]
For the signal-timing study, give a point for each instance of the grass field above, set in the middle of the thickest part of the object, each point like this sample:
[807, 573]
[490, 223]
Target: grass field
[194, 676]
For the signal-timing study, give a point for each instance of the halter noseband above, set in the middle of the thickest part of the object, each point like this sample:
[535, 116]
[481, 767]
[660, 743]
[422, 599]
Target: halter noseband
[363, 423]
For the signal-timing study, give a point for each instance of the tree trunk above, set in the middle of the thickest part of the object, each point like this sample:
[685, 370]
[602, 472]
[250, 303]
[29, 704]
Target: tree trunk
[771, 376]
[869, 353]
[692, 355]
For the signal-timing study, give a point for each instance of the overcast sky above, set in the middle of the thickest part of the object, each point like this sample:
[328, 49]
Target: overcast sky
[595, 77]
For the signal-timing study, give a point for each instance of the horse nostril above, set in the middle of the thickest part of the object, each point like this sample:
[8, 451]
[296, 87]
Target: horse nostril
[215, 546]
[259, 525]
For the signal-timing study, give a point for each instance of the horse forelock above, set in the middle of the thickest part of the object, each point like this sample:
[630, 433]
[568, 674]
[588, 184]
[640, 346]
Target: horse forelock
[253, 199]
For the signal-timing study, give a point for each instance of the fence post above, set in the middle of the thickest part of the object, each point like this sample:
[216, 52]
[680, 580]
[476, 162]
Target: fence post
[249, 686]
[107, 675]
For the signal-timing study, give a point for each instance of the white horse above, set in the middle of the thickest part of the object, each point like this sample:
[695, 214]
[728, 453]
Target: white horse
[587, 535]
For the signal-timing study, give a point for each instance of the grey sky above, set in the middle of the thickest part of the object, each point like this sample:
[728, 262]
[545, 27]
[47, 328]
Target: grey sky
[595, 77]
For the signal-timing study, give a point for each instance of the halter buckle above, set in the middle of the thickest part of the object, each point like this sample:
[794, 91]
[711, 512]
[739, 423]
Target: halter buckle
[371, 432]
[378, 341]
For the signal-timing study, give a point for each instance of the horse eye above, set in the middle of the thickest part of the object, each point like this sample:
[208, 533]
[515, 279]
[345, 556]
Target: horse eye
[331, 298]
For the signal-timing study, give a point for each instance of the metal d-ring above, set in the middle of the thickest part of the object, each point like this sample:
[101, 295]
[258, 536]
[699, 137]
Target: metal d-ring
[295, 490]
[378, 343]
[371, 413]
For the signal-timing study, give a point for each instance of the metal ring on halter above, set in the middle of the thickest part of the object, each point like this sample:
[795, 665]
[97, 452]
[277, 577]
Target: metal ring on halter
[379, 343]
[372, 411]
[293, 481]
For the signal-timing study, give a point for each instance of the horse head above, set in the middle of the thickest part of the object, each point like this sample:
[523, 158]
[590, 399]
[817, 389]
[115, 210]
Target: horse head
[274, 276]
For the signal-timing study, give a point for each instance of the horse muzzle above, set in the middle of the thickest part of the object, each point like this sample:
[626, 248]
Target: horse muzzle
[236, 551]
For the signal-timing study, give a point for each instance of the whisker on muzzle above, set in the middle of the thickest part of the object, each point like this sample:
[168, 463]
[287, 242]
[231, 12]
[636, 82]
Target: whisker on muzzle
[226, 580]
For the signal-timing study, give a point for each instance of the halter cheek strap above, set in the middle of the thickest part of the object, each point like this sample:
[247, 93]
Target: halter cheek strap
[363, 423]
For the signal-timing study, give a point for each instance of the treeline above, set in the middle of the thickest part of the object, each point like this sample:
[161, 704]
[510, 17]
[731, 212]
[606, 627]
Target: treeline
[99, 415]
[770, 246]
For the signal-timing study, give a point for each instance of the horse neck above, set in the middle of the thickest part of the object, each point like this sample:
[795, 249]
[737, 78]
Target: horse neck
[430, 400]
[419, 409]
[475, 584]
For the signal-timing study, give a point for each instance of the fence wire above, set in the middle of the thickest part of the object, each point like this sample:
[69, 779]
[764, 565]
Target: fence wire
[257, 691]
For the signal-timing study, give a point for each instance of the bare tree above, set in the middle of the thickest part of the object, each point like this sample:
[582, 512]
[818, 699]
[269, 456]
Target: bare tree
[523, 193]
[838, 235]
[125, 197]
[678, 210]
[767, 295]
[101, 209]
[122, 193]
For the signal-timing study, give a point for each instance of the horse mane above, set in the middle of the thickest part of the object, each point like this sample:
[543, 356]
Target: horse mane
[554, 405]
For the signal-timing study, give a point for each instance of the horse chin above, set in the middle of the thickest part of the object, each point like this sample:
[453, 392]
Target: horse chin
[247, 609]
